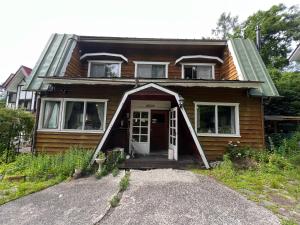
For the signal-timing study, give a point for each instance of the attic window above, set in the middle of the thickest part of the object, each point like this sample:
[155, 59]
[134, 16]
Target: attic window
[151, 69]
[104, 69]
[198, 71]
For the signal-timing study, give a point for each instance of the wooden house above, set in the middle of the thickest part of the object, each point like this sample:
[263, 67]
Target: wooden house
[167, 97]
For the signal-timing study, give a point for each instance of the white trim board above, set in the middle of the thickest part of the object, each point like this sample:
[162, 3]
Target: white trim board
[198, 57]
[104, 54]
[177, 97]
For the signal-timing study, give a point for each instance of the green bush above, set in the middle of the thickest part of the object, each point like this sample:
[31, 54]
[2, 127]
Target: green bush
[236, 153]
[124, 183]
[13, 123]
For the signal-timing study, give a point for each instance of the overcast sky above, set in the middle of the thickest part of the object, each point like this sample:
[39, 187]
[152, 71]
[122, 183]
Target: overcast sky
[26, 25]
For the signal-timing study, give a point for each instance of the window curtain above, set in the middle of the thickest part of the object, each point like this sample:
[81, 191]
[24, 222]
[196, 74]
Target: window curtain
[232, 120]
[51, 115]
[69, 109]
[144, 71]
[204, 72]
[158, 71]
[100, 111]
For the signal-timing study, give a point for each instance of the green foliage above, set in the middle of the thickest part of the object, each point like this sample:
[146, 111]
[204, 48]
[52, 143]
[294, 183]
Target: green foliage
[124, 183]
[288, 222]
[114, 202]
[13, 123]
[41, 171]
[288, 85]
[226, 25]
[43, 166]
[115, 172]
[280, 26]
[113, 159]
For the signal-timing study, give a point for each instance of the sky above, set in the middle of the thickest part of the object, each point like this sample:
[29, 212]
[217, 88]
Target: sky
[26, 25]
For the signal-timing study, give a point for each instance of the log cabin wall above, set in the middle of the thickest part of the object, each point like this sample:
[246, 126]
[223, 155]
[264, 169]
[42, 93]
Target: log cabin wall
[227, 70]
[61, 141]
[250, 115]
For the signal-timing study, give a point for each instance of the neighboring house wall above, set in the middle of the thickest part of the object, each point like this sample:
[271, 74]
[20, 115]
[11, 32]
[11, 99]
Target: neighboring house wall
[250, 116]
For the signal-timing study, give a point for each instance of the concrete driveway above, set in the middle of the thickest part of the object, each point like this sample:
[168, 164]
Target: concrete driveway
[82, 201]
[181, 197]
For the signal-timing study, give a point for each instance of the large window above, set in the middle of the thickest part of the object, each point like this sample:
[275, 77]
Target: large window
[198, 71]
[151, 69]
[217, 119]
[104, 69]
[78, 115]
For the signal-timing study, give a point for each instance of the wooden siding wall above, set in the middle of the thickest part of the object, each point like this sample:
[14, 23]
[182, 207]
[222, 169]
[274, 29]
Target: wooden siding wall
[74, 68]
[250, 112]
[228, 68]
[77, 68]
[61, 141]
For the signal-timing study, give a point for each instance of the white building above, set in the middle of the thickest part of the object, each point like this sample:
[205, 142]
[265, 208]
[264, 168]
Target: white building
[16, 97]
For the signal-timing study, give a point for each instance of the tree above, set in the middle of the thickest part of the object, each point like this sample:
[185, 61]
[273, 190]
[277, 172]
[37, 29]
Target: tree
[280, 26]
[288, 85]
[226, 26]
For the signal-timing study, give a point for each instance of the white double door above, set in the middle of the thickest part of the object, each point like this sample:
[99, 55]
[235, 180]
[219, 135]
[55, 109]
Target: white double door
[141, 128]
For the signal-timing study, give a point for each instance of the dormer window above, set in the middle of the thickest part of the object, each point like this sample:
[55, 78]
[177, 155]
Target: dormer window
[154, 70]
[198, 71]
[104, 69]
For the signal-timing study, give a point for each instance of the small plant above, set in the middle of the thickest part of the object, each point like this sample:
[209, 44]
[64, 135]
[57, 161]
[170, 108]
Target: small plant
[115, 172]
[124, 183]
[114, 202]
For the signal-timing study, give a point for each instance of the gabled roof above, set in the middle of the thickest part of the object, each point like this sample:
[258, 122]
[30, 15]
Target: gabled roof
[53, 60]
[250, 66]
[15, 79]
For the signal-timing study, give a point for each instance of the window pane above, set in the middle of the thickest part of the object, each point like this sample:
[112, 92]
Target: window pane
[204, 72]
[158, 71]
[206, 119]
[144, 70]
[73, 115]
[112, 70]
[144, 138]
[151, 71]
[94, 117]
[97, 70]
[51, 115]
[104, 69]
[135, 130]
[226, 120]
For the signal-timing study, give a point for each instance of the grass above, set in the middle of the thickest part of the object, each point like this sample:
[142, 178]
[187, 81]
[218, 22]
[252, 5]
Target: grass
[114, 202]
[278, 186]
[40, 171]
[124, 183]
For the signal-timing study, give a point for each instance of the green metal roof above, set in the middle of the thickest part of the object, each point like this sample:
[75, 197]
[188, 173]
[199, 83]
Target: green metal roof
[252, 66]
[53, 60]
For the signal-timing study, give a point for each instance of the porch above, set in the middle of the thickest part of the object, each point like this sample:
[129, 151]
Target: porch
[154, 161]
[152, 127]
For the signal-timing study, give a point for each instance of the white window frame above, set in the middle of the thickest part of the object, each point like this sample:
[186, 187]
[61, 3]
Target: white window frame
[136, 63]
[198, 64]
[90, 62]
[216, 104]
[61, 119]
[41, 113]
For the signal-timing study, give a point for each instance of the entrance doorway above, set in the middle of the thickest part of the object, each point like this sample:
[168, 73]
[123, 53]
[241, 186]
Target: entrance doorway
[159, 132]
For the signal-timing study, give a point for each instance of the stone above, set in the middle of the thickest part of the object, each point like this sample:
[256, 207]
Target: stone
[215, 164]
[266, 203]
[1, 177]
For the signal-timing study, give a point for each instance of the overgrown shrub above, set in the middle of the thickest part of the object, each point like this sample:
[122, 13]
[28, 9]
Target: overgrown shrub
[13, 123]
[113, 159]
[44, 166]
